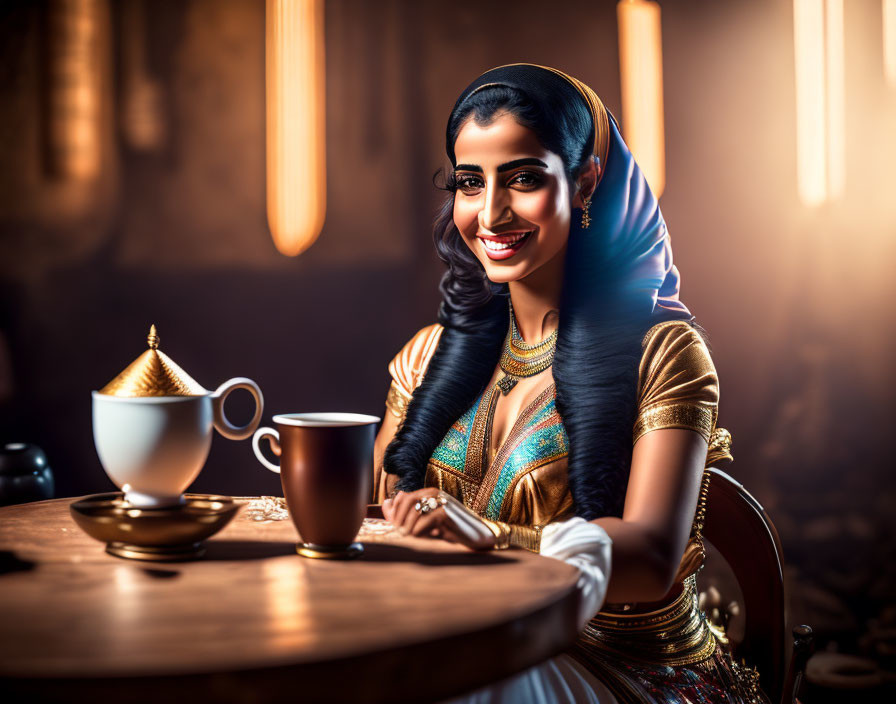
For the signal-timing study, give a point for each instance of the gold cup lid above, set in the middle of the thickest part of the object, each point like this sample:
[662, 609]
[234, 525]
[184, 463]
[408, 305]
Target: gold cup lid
[153, 373]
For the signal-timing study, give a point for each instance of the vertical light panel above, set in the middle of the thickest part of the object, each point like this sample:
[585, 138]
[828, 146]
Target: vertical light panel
[641, 73]
[836, 80]
[820, 99]
[811, 112]
[74, 98]
[889, 22]
[142, 113]
[296, 139]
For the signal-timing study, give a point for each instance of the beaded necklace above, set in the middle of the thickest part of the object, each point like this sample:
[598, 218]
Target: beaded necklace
[520, 360]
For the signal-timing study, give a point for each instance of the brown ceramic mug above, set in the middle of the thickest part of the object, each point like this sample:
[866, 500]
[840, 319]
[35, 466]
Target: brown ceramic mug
[326, 468]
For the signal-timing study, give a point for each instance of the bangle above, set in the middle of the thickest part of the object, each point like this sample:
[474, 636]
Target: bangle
[501, 532]
[513, 536]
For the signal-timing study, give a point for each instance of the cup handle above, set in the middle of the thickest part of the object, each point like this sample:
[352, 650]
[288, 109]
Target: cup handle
[274, 437]
[224, 426]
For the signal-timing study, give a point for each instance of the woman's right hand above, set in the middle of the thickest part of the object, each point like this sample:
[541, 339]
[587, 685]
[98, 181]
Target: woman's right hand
[449, 520]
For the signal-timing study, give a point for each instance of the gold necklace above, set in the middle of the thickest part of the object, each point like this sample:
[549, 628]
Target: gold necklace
[520, 360]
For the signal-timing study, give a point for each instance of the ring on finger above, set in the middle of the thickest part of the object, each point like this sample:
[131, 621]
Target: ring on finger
[431, 503]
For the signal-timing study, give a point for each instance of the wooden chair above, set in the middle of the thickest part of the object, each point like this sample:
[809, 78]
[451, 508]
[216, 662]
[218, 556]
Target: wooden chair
[738, 527]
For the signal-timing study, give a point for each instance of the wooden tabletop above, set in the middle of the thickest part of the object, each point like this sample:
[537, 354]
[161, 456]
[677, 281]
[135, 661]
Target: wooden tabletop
[411, 620]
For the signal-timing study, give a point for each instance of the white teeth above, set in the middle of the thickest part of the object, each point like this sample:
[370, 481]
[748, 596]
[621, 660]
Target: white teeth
[498, 246]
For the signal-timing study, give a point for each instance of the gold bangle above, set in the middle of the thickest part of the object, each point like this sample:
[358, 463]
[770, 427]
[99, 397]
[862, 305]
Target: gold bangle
[526, 537]
[513, 536]
[500, 531]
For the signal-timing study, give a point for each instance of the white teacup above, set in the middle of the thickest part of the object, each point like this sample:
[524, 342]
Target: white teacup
[154, 447]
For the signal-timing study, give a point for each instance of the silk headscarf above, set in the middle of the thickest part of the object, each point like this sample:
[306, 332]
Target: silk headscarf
[625, 215]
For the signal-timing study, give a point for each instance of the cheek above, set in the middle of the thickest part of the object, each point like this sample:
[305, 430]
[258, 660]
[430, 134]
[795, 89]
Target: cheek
[546, 208]
[465, 217]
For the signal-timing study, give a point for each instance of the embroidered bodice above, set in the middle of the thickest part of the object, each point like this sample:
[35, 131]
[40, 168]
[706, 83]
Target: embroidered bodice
[526, 481]
[537, 439]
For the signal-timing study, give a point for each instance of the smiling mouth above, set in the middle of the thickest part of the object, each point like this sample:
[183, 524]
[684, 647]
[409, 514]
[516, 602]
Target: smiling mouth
[504, 246]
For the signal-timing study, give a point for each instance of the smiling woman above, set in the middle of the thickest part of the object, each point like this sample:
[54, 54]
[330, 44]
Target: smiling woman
[565, 403]
[501, 207]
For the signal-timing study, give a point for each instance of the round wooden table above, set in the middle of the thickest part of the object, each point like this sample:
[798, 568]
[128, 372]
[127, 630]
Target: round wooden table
[410, 620]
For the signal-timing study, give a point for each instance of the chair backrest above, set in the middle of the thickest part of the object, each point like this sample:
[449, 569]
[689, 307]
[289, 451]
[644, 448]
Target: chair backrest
[740, 529]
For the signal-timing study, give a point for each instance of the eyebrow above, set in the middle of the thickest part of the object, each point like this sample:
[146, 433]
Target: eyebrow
[526, 161]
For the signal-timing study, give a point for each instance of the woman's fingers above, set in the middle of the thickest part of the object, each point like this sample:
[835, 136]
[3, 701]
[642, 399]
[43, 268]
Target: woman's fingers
[412, 519]
[437, 524]
[404, 513]
[387, 509]
[401, 506]
[468, 526]
[452, 521]
[452, 533]
[425, 523]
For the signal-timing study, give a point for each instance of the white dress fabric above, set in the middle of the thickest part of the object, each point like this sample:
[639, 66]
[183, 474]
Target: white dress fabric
[562, 680]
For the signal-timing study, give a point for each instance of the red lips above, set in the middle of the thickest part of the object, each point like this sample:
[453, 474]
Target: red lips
[505, 252]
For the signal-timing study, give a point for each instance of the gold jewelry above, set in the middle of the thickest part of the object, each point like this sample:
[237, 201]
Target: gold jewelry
[586, 215]
[508, 535]
[520, 360]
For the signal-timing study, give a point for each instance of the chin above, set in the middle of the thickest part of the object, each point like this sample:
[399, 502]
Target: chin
[505, 274]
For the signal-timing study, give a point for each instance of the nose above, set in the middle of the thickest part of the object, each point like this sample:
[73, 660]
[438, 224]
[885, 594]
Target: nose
[496, 209]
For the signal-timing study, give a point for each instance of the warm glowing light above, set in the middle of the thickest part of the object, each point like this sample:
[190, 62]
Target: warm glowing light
[889, 10]
[74, 99]
[287, 603]
[641, 69]
[142, 110]
[836, 123]
[820, 99]
[811, 115]
[296, 144]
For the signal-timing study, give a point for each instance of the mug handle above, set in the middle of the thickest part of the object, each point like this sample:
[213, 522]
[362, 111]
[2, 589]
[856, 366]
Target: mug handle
[224, 426]
[274, 437]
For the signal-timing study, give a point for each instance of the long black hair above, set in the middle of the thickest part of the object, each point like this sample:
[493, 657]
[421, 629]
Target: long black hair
[599, 333]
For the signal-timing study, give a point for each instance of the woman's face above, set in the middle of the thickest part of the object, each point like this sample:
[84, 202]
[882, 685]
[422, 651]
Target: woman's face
[512, 205]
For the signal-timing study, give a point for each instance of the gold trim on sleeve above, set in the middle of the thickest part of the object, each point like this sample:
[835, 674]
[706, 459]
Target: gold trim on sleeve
[508, 535]
[677, 415]
[397, 401]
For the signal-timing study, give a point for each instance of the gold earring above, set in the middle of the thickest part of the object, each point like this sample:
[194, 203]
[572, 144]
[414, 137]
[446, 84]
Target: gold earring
[586, 216]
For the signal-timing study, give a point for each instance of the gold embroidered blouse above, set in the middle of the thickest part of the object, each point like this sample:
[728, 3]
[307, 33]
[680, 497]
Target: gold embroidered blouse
[526, 481]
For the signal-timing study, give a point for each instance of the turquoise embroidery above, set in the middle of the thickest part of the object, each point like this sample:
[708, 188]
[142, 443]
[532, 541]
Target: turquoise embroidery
[543, 440]
[451, 453]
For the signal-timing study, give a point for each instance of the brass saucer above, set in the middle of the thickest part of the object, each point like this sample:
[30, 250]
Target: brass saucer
[156, 534]
[326, 552]
[174, 553]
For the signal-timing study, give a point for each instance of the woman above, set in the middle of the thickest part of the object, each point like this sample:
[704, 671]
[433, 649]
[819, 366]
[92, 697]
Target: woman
[565, 402]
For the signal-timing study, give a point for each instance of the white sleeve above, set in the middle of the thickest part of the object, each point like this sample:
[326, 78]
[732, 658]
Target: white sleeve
[585, 546]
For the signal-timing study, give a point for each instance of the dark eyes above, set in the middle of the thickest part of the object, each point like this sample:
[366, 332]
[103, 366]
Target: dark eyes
[527, 178]
[470, 184]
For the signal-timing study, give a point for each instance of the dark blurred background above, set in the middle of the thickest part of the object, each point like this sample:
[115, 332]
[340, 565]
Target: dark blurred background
[798, 302]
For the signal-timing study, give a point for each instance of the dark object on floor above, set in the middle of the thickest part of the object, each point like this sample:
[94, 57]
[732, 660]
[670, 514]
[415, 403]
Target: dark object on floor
[24, 474]
[10, 562]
